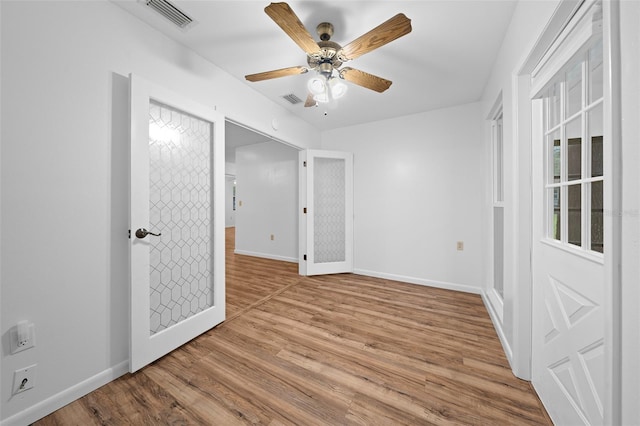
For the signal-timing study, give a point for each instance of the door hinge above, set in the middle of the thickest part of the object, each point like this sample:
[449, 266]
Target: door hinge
[304, 257]
[304, 164]
[304, 210]
[129, 233]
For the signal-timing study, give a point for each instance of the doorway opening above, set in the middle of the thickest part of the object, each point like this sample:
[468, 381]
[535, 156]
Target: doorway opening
[262, 193]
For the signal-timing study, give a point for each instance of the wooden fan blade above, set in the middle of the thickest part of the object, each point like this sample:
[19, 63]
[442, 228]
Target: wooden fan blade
[283, 72]
[286, 19]
[310, 101]
[384, 33]
[365, 79]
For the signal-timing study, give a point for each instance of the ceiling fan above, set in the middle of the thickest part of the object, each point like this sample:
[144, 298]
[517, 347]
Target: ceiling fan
[325, 56]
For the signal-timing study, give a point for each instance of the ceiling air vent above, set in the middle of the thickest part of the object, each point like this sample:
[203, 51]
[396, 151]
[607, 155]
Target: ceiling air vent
[292, 98]
[170, 12]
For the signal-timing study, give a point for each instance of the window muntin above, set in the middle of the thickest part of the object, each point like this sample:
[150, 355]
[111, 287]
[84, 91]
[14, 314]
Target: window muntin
[574, 146]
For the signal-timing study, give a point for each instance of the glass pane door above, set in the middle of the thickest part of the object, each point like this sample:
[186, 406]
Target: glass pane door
[176, 221]
[180, 209]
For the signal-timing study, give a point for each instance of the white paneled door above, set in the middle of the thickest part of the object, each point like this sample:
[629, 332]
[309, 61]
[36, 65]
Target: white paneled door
[569, 287]
[326, 208]
[177, 221]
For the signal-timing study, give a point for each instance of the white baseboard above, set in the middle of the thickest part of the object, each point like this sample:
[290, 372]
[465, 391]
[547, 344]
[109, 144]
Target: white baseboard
[420, 281]
[497, 325]
[67, 396]
[266, 256]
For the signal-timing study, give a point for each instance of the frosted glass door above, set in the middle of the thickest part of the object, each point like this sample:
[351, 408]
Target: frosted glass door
[327, 212]
[177, 215]
[181, 259]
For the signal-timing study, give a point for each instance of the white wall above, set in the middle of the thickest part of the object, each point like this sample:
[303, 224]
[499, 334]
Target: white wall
[528, 22]
[419, 188]
[630, 244]
[64, 182]
[230, 213]
[267, 201]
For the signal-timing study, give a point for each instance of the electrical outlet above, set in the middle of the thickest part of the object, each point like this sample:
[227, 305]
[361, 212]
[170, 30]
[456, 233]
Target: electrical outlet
[24, 379]
[460, 246]
[23, 336]
[272, 237]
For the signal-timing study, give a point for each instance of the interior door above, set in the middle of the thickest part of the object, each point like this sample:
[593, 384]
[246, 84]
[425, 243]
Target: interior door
[326, 208]
[568, 347]
[177, 221]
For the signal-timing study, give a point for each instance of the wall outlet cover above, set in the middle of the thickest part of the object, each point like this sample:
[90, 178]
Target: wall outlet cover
[24, 379]
[29, 343]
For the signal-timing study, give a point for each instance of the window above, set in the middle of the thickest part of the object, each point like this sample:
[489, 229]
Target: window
[573, 114]
[498, 202]
[498, 161]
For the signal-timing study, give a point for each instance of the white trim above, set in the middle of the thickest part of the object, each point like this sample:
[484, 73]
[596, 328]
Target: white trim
[266, 255]
[496, 108]
[497, 157]
[67, 396]
[518, 305]
[568, 44]
[592, 256]
[561, 17]
[496, 302]
[420, 281]
[613, 186]
[302, 203]
[261, 133]
[497, 325]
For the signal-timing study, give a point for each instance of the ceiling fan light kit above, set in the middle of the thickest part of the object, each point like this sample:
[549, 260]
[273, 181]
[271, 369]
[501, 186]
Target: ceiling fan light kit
[326, 56]
[325, 89]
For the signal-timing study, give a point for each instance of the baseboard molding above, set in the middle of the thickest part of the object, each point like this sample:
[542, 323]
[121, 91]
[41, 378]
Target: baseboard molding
[266, 256]
[420, 281]
[497, 325]
[67, 396]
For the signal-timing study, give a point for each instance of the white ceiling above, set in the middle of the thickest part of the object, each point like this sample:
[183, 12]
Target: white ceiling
[444, 61]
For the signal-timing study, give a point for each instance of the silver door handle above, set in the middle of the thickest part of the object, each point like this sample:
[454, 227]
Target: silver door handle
[141, 233]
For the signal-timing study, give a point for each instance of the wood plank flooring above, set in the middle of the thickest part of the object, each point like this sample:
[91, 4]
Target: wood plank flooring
[330, 350]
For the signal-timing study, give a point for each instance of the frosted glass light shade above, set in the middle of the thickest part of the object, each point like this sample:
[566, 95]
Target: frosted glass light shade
[322, 97]
[317, 85]
[338, 88]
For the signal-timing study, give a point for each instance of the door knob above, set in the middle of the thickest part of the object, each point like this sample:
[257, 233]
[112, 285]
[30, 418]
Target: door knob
[141, 233]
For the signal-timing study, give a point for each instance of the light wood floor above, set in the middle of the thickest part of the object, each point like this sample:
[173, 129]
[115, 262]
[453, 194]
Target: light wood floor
[332, 350]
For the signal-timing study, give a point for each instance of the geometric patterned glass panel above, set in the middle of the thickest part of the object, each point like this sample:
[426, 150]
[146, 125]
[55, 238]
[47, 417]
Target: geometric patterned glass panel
[330, 208]
[180, 161]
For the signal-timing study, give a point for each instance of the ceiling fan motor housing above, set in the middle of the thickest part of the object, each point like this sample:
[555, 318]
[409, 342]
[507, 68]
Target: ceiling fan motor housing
[328, 54]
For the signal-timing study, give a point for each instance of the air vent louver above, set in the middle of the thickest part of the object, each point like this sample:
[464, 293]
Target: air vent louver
[292, 98]
[170, 12]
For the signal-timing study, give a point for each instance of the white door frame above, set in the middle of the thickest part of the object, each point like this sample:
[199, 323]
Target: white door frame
[521, 362]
